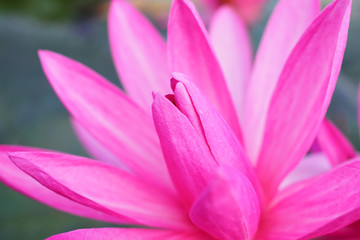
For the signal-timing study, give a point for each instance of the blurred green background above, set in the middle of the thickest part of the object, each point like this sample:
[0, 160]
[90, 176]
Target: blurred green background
[31, 114]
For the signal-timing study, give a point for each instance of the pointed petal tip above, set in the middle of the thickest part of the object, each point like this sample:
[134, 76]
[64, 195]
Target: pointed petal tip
[160, 100]
[138, 51]
[185, 28]
[154, 94]
[343, 3]
[42, 51]
[177, 77]
[44, 54]
[157, 103]
[225, 11]
[47, 55]
[226, 8]
[181, 4]
[178, 2]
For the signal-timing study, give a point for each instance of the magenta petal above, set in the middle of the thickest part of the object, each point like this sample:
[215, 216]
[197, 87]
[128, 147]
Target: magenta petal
[288, 22]
[100, 107]
[95, 149]
[190, 53]
[334, 144]
[219, 137]
[103, 187]
[316, 207]
[185, 104]
[189, 160]
[139, 53]
[233, 49]
[124, 234]
[303, 94]
[228, 208]
[350, 232]
[16, 179]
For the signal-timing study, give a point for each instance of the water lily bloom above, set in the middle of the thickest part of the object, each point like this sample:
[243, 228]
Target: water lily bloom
[215, 159]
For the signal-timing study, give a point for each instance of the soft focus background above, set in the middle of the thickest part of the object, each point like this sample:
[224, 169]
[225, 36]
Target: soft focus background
[31, 114]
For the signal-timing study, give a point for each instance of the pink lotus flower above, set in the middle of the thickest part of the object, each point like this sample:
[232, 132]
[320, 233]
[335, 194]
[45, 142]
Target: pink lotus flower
[199, 182]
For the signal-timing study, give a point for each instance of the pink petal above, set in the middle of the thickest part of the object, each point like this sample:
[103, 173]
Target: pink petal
[188, 158]
[228, 208]
[190, 53]
[16, 179]
[95, 149]
[219, 137]
[310, 166]
[350, 232]
[287, 23]
[302, 95]
[233, 49]
[107, 114]
[335, 145]
[139, 53]
[124, 234]
[103, 187]
[185, 104]
[316, 207]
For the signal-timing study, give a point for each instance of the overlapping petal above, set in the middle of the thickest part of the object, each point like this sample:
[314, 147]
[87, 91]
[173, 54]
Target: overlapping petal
[219, 137]
[16, 179]
[302, 95]
[103, 188]
[219, 194]
[124, 234]
[350, 232]
[196, 140]
[287, 23]
[335, 145]
[228, 208]
[108, 115]
[139, 53]
[190, 52]
[188, 158]
[318, 206]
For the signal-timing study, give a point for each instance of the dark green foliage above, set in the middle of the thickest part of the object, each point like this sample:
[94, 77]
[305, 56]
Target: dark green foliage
[53, 10]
